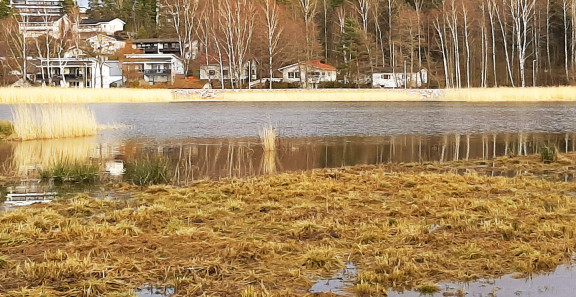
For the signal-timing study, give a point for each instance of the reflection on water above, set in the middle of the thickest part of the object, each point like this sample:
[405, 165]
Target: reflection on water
[193, 159]
[154, 291]
[559, 283]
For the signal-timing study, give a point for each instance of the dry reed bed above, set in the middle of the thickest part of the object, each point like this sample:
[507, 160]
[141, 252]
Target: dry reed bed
[510, 94]
[77, 95]
[53, 121]
[446, 95]
[73, 95]
[274, 235]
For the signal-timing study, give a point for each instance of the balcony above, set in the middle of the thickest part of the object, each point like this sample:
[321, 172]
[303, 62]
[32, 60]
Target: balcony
[157, 72]
[74, 76]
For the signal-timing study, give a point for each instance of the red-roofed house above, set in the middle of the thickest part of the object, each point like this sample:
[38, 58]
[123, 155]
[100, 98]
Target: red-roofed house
[313, 73]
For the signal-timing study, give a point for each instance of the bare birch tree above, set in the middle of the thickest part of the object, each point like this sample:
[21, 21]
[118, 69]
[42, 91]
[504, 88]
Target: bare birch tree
[236, 21]
[183, 17]
[522, 13]
[273, 33]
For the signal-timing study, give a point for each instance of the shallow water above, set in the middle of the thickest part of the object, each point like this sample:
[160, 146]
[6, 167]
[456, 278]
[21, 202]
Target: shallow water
[213, 140]
[154, 291]
[339, 284]
[559, 283]
[163, 121]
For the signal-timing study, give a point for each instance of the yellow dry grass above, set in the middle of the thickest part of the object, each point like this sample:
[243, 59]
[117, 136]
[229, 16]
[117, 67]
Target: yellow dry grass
[52, 121]
[275, 235]
[511, 94]
[77, 95]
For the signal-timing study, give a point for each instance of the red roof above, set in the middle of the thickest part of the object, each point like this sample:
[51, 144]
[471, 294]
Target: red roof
[322, 65]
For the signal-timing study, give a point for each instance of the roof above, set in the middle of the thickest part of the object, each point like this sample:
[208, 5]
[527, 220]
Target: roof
[381, 70]
[149, 57]
[155, 40]
[103, 36]
[321, 65]
[98, 21]
[315, 64]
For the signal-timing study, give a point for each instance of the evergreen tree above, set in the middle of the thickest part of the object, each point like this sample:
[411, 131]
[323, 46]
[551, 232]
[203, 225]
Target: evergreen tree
[352, 49]
[4, 9]
[68, 6]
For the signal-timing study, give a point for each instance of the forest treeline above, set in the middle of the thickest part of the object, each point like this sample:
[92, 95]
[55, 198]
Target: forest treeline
[463, 43]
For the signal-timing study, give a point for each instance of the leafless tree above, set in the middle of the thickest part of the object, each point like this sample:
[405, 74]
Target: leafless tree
[183, 17]
[273, 33]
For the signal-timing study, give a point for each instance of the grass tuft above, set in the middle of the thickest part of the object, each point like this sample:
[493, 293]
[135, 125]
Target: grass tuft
[150, 170]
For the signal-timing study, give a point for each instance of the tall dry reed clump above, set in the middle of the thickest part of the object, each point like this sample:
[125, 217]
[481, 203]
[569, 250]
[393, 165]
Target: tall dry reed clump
[53, 121]
[268, 138]
[72, 95]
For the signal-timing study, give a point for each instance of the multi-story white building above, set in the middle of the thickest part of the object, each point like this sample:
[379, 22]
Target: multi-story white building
[80, 72]
[152, 68]
[36, 17]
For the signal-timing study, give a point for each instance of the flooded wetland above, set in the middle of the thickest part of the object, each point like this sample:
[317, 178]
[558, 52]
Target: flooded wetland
[360, 199]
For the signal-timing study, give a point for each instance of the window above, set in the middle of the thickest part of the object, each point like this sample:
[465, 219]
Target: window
[293, 74]
[386, 76]
[211, 72]
[225, 72]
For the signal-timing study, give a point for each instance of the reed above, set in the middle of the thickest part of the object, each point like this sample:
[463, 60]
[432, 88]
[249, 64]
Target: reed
[511, 94]
[53, 121]
[268, 138]
[77, 95]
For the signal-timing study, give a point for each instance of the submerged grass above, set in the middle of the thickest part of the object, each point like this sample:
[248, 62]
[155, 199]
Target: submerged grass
[6, 129]
[72, 172]
[150, 170]
[408, 226]
[78, 95]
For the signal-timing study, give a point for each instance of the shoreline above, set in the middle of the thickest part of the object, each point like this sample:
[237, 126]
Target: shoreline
[122, 95]
[538, 94]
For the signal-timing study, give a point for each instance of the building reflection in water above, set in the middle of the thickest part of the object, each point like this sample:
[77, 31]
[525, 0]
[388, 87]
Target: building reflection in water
[194, 159]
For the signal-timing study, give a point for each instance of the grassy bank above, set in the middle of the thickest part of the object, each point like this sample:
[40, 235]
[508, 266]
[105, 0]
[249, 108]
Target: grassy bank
[403, 225]
[449, 95]
[59, 95]
[73, 95]
[511, 94]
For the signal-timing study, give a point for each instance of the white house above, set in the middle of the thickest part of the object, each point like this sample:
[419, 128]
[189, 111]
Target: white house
[153, 68]
[313, 72]
[80, 72]
[103, 26]
[212, 70]
[395, 78]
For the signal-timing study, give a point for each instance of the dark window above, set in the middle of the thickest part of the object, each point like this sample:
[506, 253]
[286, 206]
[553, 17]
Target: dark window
[211, 72]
